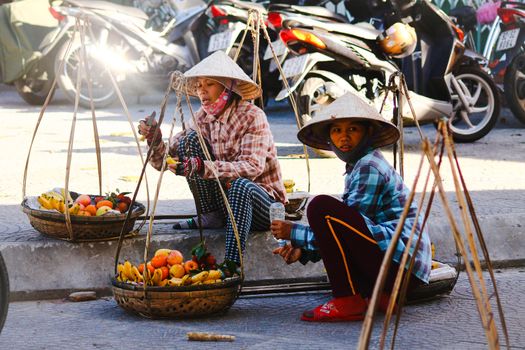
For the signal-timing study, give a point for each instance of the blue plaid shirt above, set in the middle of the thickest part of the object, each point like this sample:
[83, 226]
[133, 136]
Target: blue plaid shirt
[378, 192]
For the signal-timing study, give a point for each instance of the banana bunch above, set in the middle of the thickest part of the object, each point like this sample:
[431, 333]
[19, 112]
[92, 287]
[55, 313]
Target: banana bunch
[129, 273]
[52, 200]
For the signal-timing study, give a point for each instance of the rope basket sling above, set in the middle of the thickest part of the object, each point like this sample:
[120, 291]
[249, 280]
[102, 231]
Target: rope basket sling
[182, 301]
[64, 225]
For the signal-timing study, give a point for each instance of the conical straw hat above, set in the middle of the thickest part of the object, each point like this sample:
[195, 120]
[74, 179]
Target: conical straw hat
[219, 66]
[349, 106]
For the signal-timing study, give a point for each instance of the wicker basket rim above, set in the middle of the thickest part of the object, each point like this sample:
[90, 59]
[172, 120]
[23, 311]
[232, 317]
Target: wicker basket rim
[227, 283]
[138, 209]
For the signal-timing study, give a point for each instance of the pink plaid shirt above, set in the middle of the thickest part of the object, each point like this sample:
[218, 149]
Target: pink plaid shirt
[242, 144]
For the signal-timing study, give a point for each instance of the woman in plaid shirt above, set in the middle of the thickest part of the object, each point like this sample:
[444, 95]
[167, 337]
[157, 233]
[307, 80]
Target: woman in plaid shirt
[352, 235]
[238, 137]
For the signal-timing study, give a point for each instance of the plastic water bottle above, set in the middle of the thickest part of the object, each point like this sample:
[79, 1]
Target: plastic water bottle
[277, 212]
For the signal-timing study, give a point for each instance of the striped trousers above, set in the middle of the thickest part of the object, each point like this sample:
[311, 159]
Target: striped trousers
[249, 202]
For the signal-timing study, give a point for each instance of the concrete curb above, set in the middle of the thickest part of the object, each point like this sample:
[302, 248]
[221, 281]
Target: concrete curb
[50, 268]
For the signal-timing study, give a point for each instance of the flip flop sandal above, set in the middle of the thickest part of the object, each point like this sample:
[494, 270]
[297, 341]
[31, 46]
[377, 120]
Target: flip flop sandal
[328, 312]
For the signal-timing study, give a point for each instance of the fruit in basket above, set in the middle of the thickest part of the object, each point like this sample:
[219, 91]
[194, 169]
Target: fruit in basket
[200, 277]
[159, 260]
[102, 210]
[122, 207]
[162, 251]
[83, 199]
[190, 265]
[84, 213]
[91, 209]
[175, 257]
[165, 272]
[177, 271]
[75, 208]
[214, 275]
[175, 282]
[45, 203]
[105, 203]
[157, 277]
[137, 276]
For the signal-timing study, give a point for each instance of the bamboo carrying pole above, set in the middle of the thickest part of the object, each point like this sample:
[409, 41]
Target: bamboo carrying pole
[82, 70]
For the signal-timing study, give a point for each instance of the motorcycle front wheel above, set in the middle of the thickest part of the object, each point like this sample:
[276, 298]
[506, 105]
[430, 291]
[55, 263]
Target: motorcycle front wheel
[312, 97]
[35, 85]
[514, 84]
[103, 92]
[481, 94]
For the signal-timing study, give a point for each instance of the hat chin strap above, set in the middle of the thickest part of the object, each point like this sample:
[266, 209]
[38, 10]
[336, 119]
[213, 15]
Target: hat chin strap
[352, 156]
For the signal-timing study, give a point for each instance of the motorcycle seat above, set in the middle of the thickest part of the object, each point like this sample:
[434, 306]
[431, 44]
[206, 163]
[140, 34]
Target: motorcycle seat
[319, 11]
[248, 5]
[108, 6]
[360, 30]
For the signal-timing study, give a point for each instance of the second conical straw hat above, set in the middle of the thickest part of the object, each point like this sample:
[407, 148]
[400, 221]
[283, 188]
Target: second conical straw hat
[349, 106]
[219, 66]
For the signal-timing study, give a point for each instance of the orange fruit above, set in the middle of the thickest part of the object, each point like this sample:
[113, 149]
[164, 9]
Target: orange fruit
[151, 269]
[159, 261]
[105, 202]
[122, 207]
[91, 209]
[165, 272]
[175, 257]
[141, 268]
[177, 271]
[84, 213]
[190, 265]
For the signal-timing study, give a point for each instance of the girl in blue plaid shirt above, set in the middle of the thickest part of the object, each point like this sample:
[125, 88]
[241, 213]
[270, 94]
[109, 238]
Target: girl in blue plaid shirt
[352, 235]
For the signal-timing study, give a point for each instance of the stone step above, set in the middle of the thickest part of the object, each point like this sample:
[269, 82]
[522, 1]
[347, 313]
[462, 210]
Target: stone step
[42, 267]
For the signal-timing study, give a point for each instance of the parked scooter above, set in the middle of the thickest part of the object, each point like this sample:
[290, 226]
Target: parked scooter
[511, 45]
[231, 17]
[337, 58]
[117, 39]
[504, 49]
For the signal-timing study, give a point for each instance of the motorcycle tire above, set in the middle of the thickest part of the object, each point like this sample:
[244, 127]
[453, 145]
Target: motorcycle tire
[477, 85]
[34, 86]
[4, 292]
[514, 86]
[309, 101]
[103, 91]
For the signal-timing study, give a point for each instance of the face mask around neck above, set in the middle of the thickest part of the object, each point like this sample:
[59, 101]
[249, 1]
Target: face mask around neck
[353, 155]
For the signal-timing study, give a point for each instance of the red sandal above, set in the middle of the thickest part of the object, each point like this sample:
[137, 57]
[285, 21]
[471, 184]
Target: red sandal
[382, 306]
[350, 308]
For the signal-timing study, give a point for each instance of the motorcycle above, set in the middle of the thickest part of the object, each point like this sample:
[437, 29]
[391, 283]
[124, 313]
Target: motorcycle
[504, 49]
[231, 17]
[22, 63]
[511, 44]
[444, 78]
[117, 40]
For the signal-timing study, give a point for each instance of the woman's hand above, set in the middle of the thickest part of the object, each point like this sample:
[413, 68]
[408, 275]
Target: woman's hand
[288, 253]
[190, 167]
[281, 229]
[147, 129]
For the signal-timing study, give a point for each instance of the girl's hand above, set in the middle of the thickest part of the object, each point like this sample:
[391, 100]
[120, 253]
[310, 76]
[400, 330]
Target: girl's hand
[288, 253]
[281, 229]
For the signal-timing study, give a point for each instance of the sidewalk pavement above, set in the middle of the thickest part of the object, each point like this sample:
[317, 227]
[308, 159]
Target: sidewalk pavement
[44, 267]
[269, 322]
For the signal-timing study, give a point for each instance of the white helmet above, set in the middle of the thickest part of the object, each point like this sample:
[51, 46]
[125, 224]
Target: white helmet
[399, 40]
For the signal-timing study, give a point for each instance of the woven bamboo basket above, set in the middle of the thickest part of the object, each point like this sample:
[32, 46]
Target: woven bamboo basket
[177, 302]
[85, 228]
